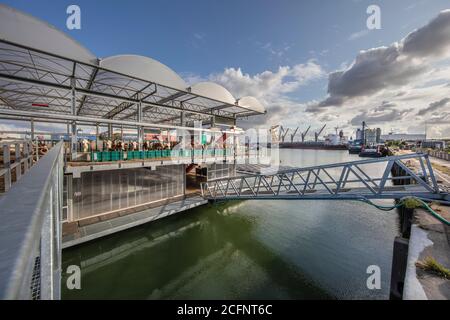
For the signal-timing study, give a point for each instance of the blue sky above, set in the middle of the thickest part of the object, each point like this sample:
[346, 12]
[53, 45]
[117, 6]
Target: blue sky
[201, 39]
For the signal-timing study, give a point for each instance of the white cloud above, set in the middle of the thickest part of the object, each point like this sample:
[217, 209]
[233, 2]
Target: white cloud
[412, 74]
[359, 34]
[271, 88]
[268, 84]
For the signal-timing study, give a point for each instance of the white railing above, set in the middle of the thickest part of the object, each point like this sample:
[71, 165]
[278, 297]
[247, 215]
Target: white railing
[30, 232]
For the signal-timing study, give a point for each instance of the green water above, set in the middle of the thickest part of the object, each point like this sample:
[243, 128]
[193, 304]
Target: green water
[245, 250]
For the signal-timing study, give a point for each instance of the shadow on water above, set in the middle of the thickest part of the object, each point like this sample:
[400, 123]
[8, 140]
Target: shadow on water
[209, 254]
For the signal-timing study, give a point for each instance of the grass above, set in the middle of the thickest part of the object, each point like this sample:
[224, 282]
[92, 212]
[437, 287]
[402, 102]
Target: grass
[411, 203]
[443, 169]
[431, 265]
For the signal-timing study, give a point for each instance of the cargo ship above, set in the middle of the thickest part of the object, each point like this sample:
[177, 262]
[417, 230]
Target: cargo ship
[311, 145]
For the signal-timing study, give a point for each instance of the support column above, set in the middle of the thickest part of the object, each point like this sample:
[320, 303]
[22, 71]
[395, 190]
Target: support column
[7, 166]
[139, 128]
[110, 131]
[32, 140]
[32, 130]
[183, 124]
[74, 140]
[18, 160]
[235, 147]
[26, 154]
[257, 146]
[97, 132]
[183, 119]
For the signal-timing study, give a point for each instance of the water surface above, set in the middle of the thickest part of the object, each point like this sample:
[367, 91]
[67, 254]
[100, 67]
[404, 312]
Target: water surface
[245, 250]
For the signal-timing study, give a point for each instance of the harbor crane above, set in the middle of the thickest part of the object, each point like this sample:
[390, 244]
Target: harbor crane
[293, 135]
[284, 133]
[305, 133]
[317, 134]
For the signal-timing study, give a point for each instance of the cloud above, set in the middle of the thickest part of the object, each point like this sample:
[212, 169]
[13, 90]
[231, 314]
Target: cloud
[359, 34]
[434, 106]
[268, 84]
[277, 51]
[271, 88]
[383, 68]
[386, 112]
[199, 36]
[430, 40]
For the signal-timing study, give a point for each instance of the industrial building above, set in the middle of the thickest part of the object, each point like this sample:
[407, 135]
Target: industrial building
[152, 140]
[408, 137]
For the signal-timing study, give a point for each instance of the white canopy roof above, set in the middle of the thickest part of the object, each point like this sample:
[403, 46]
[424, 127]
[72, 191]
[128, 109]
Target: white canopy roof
[252, 104]
[214, 91]
[21, 28]
[41, 65]
[144, 68]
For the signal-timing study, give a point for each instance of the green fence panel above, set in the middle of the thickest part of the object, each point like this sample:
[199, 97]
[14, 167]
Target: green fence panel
[96, 156]
[105, 156]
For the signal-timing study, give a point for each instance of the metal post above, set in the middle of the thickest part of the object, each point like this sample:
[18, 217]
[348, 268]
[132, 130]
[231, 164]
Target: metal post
[18, 161]
[235, 147]
[182, 122]
[139, 128]
[7, 166]
[26, 154]
[97, 131]
[32, 129]
[183, 119]
[257, 146]
[110, 131]
[74, 139]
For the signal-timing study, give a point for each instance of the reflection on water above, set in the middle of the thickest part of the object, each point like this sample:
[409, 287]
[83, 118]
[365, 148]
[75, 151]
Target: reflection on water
[243, 250]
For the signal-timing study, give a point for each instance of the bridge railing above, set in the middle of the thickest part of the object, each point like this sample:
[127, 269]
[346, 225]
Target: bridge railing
[16, 158]
[370, 178]
[30, 239]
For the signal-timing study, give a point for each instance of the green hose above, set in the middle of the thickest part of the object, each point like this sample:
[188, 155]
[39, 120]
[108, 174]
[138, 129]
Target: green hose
[404, 202]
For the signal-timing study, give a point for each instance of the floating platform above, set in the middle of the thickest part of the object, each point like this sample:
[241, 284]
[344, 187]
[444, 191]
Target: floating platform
[82, 234]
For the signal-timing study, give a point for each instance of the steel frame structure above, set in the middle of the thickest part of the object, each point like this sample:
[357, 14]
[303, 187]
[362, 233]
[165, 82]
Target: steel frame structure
[31, 80]
[342, 181]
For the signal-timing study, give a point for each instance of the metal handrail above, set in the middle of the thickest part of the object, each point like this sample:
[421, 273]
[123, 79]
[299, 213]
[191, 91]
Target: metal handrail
[30, 233]
[319, 182]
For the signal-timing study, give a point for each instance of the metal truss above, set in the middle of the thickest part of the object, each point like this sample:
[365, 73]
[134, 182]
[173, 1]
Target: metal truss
[365, 179]
[33, 80]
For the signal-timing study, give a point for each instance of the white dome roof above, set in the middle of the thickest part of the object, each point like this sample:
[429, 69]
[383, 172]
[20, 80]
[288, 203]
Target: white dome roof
[214, 91]
[21, 28]
[144, 68]
[251, 103]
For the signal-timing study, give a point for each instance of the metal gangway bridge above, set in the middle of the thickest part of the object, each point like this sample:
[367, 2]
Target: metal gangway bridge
[357, 180]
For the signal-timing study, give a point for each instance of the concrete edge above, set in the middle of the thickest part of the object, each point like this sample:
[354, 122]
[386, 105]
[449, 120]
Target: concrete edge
[418, 241]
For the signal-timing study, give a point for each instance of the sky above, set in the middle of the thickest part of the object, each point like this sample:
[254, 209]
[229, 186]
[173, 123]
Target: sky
[309, 62]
